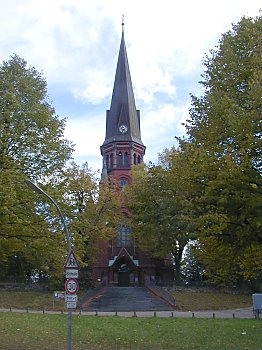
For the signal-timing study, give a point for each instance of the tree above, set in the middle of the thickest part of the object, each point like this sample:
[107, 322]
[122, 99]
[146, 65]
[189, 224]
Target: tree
[158, 203]
[32, 145]
[93, 211]
[224, 135]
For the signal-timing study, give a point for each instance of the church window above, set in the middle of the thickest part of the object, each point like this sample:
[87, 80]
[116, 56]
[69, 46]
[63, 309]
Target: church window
[120, 159]
[126, 159]
[123, 236]
[138, 159]
[111, 160]
[123, 182]
[134, 156]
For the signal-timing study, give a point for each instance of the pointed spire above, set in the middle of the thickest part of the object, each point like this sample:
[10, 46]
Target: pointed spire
[123, 119]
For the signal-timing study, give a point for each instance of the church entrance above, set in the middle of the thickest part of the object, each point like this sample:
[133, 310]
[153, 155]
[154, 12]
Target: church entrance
[123, 276]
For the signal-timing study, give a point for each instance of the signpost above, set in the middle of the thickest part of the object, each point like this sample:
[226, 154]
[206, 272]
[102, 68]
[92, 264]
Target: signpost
[71, 260]
[71, 268]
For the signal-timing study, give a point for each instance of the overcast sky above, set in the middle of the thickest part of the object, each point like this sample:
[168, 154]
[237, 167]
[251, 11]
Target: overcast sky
[75, 44]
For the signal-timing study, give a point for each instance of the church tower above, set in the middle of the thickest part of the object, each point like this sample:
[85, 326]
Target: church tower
[123, 146]
[121, 262]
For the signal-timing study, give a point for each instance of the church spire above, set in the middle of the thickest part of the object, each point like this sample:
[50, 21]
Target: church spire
[123, 119]
[123, 23]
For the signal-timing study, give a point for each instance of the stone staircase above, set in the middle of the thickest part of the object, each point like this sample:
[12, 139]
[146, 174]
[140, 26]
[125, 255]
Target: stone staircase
[126, 299]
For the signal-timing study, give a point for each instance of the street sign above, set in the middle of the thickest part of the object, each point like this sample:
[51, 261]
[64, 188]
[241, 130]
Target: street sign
[69, 297]
[70, 273]
[59, 295]
[71, 286]
[71, 305]
[71, 262]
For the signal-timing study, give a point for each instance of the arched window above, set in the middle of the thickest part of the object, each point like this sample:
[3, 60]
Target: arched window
[134, 157]
[120, 159]
[123, 236]
[111, 160]
[107, 161]
[126, 159]
[123, 182]
[138, 159]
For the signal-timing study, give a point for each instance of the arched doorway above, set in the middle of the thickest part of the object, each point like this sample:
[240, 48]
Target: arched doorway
[124, 269]
[123, 275]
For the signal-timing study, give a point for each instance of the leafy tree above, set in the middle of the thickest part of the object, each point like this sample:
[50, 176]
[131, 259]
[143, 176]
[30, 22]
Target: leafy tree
[93, 211]
[158, 202]
[192, 270]
[32, 145]
[224, 136]
[31, 133]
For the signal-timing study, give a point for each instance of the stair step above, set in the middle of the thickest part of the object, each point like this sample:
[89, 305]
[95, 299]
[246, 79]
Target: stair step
[127, 299]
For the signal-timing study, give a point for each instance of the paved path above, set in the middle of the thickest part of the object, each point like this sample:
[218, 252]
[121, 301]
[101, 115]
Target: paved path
[236, 313]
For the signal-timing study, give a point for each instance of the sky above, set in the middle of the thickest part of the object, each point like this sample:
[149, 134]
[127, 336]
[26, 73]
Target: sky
[75, 44]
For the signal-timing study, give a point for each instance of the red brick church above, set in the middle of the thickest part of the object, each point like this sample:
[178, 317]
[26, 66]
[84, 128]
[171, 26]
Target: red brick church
[121, 262]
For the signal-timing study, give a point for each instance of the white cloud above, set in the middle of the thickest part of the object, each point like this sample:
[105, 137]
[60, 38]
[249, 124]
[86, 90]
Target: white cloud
[75, 44]
[88, 134]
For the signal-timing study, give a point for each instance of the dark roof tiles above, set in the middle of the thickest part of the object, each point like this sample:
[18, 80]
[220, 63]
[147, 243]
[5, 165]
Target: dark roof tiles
[123, 110]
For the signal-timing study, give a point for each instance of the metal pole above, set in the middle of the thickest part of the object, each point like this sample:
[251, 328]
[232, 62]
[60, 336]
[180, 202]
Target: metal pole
[39, 190]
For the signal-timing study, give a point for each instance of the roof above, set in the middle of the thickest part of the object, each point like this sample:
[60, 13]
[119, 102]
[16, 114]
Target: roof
[123, 253]
[123, 110]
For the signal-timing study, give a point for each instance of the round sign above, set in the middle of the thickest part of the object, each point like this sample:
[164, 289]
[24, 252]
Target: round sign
[71, 286]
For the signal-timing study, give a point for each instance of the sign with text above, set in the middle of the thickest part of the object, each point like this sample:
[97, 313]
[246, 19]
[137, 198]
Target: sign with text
[59, 295]
[69, 298]
[71, 273]
[71, 305]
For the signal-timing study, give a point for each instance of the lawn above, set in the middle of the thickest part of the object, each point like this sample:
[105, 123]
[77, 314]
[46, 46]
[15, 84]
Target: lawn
[30, 300]
[49, 332]
[185, 301]
[197, 301]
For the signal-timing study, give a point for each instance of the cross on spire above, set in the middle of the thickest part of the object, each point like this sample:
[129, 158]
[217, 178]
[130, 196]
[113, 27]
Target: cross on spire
[123, 22]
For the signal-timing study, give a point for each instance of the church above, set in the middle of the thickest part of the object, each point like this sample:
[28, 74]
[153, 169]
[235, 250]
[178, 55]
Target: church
[122, 263]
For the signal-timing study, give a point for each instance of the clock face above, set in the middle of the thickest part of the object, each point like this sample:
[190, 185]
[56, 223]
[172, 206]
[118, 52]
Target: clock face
[123, 128]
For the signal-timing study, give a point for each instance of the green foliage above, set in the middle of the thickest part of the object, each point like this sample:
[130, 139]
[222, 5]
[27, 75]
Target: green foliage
[93, 210]
[224, 138]
[31, 135]
[32, 145]
[159, 202]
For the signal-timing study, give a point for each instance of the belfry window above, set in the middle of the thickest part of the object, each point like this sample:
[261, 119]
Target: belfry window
[111, 160]
[123, 236]
[138, 159]
[134, 157]
[125, 159]
[120, 159]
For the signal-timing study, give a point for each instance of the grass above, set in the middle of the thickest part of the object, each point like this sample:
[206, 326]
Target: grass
[186, 301]
[48, 332]
[31, 300]
[200, 301]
